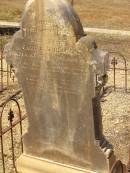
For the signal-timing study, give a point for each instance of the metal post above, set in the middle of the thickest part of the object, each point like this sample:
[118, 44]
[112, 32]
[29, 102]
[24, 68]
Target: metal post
[10, 118]
[2, 147]
[114, 66]
[128, 165]
[7, 76]
[72, 2]
[1, 68]
[126, 80]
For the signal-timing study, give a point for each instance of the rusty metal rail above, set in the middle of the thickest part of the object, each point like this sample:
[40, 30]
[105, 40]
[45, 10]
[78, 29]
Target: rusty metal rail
[118, 167]
[72, 2]
[115, 58]
[14, 119]
[128, 165]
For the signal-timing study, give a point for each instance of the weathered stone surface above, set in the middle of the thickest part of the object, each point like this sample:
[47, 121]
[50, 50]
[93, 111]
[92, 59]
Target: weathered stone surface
[29, 164]
[53, 64]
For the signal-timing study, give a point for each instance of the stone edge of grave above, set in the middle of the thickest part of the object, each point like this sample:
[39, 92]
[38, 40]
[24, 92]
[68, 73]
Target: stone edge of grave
[97, 32]
[108, 33]
[32, 164]
[4, 24]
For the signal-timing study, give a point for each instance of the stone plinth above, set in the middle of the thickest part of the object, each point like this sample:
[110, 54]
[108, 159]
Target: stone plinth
[29, 164]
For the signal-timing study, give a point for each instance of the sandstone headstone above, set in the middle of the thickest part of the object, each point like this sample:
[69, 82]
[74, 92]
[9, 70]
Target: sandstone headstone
[52, 58]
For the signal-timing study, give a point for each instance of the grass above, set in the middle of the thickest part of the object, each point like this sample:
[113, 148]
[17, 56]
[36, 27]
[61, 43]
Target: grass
[112, 14]
[10, 15]
[4, 40]
[11, 10]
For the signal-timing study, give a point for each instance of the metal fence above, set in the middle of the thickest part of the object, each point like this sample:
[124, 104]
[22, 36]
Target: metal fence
[10, 118]
[119, 65]
[118, 76]
[7, 76]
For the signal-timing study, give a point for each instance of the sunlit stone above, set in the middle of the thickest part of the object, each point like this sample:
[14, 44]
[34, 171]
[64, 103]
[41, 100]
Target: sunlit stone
[52, 58]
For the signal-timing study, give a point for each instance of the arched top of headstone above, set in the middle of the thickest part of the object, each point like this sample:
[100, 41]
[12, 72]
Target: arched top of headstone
[40, 13]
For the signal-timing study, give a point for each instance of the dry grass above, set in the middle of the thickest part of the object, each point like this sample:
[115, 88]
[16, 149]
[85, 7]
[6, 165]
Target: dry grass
[11, 10]
[112, 14]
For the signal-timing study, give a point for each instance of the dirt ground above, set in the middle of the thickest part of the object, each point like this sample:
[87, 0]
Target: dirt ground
[116, 115]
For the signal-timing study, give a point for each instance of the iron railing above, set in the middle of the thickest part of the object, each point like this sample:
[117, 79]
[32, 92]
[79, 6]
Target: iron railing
[11, 111]
[7, 77]
[115, 69]
[115, 58]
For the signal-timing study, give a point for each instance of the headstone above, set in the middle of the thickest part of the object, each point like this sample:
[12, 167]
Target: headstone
[52, 58]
